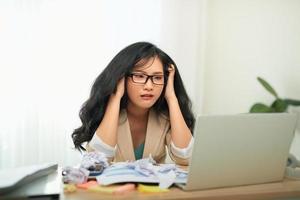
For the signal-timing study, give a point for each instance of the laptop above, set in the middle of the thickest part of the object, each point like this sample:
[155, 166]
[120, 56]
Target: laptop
[39, 181]
[243, 149]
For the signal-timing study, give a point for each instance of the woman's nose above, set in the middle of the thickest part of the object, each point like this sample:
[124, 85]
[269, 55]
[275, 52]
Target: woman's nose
[148, 84]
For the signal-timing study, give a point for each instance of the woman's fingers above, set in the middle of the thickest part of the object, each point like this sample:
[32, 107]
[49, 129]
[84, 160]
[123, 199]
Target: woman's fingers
[121, 87]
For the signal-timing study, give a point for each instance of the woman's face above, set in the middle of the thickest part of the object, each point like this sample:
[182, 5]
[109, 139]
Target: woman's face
[142, 90]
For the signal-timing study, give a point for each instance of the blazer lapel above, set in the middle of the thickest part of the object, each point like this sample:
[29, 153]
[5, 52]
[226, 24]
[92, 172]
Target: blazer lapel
[125, 144]
[155, 130]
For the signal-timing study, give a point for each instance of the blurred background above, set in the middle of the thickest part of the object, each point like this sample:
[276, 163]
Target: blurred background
[51, 51]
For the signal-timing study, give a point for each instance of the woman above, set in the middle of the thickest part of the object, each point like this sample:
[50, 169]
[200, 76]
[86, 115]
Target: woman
[137, 106]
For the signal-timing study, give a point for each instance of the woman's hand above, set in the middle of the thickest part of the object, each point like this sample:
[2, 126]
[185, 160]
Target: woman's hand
[170, 92]
[120, 88]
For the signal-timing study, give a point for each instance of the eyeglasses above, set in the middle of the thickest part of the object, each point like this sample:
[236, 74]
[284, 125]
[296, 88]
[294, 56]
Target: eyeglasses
[143, 78]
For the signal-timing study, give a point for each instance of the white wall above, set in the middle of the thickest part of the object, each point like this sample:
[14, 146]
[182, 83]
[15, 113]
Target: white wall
[51, 51]
[246, 39]
[181, 25]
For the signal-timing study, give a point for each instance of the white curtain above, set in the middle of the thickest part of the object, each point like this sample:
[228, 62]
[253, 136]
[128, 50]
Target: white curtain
[52, 50]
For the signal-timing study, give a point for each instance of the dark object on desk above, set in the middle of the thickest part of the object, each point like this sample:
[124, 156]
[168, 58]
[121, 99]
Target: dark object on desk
[97, 167]
[95, 170]
[38, 182]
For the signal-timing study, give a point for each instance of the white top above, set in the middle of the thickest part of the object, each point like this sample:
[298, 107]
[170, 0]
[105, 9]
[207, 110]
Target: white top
[98, 144]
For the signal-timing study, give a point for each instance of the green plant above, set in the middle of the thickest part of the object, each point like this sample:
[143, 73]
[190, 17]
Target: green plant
[278, 105]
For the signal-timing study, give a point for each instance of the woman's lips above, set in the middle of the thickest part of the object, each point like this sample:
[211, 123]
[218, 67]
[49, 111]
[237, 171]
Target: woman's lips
[147, 96]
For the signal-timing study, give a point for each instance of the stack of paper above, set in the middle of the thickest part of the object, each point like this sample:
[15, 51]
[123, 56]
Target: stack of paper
[143, 171]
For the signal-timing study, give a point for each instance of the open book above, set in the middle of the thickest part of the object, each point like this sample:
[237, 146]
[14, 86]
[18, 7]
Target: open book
[143, 171]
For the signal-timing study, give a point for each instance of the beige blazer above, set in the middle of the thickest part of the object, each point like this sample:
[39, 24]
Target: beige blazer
[157, 138]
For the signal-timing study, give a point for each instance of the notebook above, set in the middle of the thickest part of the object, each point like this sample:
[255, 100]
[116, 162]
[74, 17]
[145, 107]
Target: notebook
[243, 149]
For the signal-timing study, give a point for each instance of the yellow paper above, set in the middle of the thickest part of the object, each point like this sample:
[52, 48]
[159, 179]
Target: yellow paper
[68, 188]
[98, 188]
[150, 188]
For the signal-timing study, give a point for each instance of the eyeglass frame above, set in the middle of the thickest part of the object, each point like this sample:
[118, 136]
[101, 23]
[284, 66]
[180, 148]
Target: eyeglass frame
[148, 77]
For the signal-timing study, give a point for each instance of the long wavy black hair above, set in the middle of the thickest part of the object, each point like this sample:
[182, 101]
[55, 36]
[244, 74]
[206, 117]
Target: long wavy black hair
[92, 111]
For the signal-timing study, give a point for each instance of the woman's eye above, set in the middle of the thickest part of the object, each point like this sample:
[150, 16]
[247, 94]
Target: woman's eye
[139, 75]
[157, 78]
